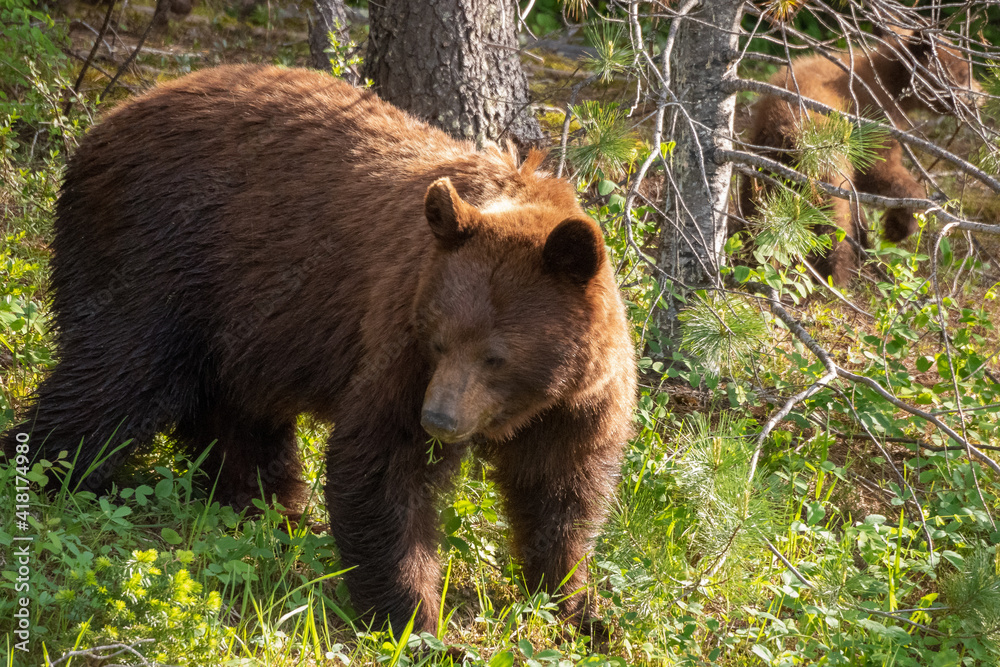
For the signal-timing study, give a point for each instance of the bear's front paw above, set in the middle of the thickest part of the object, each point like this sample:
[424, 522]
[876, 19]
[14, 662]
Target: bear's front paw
[898, 224]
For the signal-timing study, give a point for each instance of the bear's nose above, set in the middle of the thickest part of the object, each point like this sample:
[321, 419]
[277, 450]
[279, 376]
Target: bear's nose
[439, 424]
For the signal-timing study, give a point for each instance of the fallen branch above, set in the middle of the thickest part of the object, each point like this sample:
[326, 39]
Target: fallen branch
[872, 384]
[100, 653]
[772, 299]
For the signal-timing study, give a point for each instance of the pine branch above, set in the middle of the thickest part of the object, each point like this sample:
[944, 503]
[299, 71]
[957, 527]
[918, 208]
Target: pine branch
[735, 85]
[752, 160]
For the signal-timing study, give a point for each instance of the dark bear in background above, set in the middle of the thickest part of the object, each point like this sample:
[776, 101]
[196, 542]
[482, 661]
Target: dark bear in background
[906, 72]
[247, 244]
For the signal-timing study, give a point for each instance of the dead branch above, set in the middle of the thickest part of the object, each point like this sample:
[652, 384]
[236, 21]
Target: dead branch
[749, 159]
[90, 56]
[161, 9]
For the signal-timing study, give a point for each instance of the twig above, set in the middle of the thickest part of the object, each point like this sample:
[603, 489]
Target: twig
[94, 66]
[978, 407]
[161, 8]
[94, 652]
[872, 384]
[788, 564]
[90, 57]
[564, 141]
[923, 444]
[735, 85]
[887, 614]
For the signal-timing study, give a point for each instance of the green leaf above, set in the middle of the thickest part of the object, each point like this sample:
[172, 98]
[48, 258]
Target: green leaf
[505, 659]
[947, 256]
[954, 558]
[814, 513]
[548, 654]
[170, 536]
[164, 488]
[762, 652]
[459, 543]
[526, 648]
[606, 187]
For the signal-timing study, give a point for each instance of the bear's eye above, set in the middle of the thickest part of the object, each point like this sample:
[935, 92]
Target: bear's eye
[437, 347]
[494, 361]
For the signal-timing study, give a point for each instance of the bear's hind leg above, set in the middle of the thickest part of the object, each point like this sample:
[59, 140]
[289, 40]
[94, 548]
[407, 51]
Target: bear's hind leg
[252, 457]
[890, 178]
[96, 416]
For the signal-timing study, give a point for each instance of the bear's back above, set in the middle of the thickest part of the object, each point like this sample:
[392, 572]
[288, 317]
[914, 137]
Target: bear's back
[241, 201]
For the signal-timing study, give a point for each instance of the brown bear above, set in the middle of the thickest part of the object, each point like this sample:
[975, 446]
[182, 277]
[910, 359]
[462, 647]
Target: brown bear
[247, 244]
[906, 72]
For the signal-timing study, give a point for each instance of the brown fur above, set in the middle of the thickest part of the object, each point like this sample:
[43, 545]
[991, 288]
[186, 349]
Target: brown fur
[247, 244]
[883, 80]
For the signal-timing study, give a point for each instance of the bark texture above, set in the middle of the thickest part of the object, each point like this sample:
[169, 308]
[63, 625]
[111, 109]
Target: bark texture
[455, 64]
[692, 239]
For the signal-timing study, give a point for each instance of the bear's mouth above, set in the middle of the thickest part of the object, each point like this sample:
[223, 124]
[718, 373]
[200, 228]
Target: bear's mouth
[449, 438]
[446, 428]
[491, 426]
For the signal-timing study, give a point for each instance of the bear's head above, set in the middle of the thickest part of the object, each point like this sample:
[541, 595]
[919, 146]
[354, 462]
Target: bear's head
[505, 312]
[938, 76]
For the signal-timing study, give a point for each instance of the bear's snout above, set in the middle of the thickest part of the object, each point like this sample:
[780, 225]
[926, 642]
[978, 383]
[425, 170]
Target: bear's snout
[455, 402]
[440, 425]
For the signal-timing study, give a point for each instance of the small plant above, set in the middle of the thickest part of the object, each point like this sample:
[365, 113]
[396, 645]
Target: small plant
[613, 54]
[607, 146]
[345, 56]
[783, 228]
[826, 145]
[722, 333]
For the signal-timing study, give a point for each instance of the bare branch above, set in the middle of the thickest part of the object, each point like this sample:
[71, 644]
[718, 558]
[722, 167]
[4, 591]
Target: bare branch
[735, 85]
[742, 157]
[90, 56]
[160, 10]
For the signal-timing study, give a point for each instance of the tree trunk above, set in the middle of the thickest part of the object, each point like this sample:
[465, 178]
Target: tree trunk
[330, 17]
[453, 63]
[692, 239]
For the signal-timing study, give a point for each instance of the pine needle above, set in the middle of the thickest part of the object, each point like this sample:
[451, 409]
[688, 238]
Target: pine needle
[783, 228]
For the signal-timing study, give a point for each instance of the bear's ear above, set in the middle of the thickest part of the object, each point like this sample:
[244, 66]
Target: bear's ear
[449, 217]
[920, 47]
[575, 249]
[896, 38]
